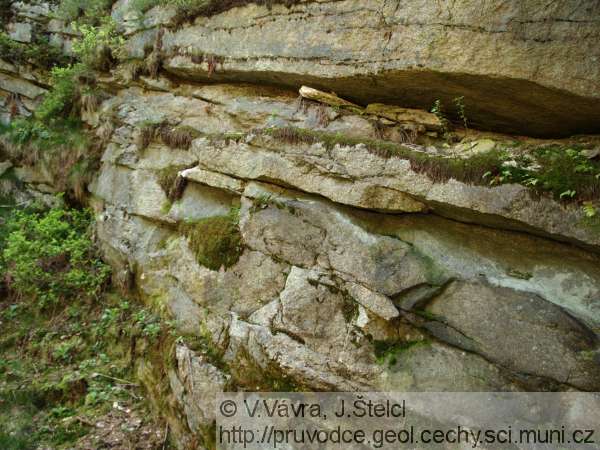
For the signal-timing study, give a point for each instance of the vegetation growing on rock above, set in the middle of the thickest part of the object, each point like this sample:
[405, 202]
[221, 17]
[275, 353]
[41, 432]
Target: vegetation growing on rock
[180, 137]
[215, 241]
[40, 53]
[68, 344]
[564, 172]
[171, 183]
[49, 257]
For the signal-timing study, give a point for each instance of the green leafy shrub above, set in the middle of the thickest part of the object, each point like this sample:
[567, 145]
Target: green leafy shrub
[49, 256]
[99, 46]
[61, 100]
[216, 241]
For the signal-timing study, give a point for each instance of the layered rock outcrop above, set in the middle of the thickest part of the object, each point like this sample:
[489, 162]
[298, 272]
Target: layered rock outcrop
[348, 266]
[346, 280]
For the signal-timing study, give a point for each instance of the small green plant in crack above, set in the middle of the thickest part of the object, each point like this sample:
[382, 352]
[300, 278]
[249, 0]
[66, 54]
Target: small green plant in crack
[459, 103]
[216, 241]
[438, 110]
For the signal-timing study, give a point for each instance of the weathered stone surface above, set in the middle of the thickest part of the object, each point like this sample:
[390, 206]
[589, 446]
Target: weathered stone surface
[427, 120]
[348, 175]
[20, 32]
[376, 303]
[137, 191]
[437, 367]
[561, 274]
[196, 384]
[199, 202]
[20, 86]
[318, 314]
[346, 253]
[324, 97]
[255, 347]
[213, 179]
[312, 233]
[413, 53]
[519, 331]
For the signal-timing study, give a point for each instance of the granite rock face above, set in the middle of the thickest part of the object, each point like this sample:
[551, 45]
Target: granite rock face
[353, 270]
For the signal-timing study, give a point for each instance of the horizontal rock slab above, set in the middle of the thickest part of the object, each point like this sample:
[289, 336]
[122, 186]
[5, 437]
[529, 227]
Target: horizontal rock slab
[354, 176]
[20, 86]
[530, 68]
[562, 274]
[519, 331]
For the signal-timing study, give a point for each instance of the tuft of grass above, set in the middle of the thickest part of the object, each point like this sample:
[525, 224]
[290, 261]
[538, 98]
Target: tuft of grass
[171, 183]
[216, 241]
[147, 134]
[180, 137]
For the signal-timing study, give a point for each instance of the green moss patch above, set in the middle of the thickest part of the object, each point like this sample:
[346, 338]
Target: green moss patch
[216, 241]
[387, 353]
